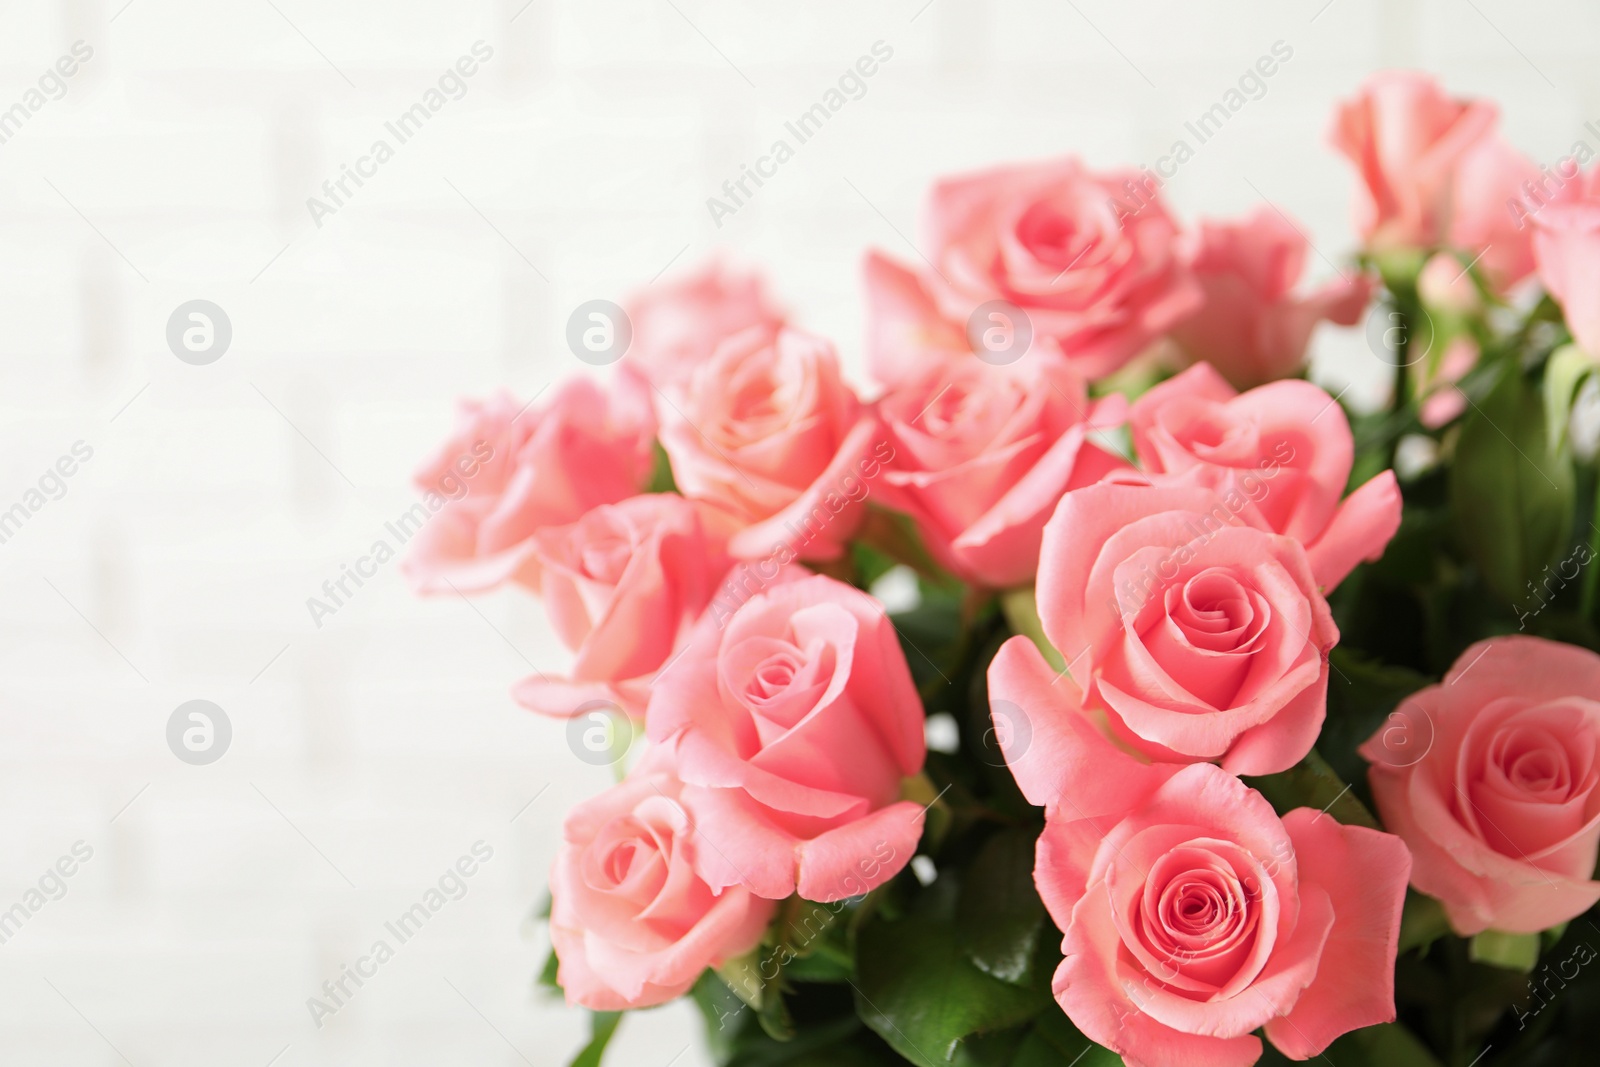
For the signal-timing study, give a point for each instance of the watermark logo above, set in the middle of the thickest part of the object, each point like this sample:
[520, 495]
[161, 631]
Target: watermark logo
[198, 732]
[999, 332]
[51, 85]
[199, 332]
[50, 886]
[1009, 735]
[450, 886]
[851, 85]
[1389, 335]
[1406, 737]
[600, 733]
[599, 332]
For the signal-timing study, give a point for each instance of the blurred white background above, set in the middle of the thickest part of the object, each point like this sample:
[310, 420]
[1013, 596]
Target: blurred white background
[369, 754]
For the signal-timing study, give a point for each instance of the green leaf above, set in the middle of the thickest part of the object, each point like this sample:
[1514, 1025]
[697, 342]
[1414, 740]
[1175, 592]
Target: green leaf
[725, 1015]
[1384, 1045]
[1511, 496]
[1566, 369]
[1021, 608]
[999, 916]
[1311, 783]
[1362, 697]
[547, 974]
[1055, 1042]
[1515, 952]
[602, 1024]
[1422, 921]
[919, 992]
[871, 564]
[895, 536]
[661, 480]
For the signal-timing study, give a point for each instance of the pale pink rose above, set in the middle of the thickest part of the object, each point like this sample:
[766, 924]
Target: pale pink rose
[622, 587]
[631, 923]
[1193, 915]
[1189, 636]
[1491, 777]
[677, 324]
[1488, 179]
[907, 335]
[1406, 137]
[1566, 248]
[768, 431]
[1442, 401]
[983, 453]
[795, 723]
[1196, 427]
[544, 466]
[1089, 256]
[1252, 327]
[1445, 285]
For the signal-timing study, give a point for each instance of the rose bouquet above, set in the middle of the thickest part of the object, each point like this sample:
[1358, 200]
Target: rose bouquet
[1092, 687]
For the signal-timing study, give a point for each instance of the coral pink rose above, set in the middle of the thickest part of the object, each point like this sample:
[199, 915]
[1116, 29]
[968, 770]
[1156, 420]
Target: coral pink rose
[545, 467]
[1489, 178]
[1406, 138]
[768, 431]
[1195, 915]
[1252, 327]
[678, 324]
[1491, 777]
[906, 333]
[1189, 635]
[1089, 257]
[622, 586]
[794, 726]
[1566, 248]
[631, 922]
[983, 453]
[1288, 436]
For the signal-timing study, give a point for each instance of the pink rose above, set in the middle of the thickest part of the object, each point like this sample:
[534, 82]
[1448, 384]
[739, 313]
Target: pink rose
[1406, 138]
[906, 334]
[1195, 915]
[622, 586]
[1089, 257]
[1489, 178]
[1445, 285]
[1566, 248]
[631, 922]
[768, 431]
[678, 324]
[1252, 327]
[1491, 778]
[982, 453]
[543, 467]
[794, 727]
[1288, 436]
[1189, 635]
[1442, 401]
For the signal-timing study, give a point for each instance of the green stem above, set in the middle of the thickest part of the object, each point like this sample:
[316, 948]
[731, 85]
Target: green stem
[1402, 377]
[1591, 572]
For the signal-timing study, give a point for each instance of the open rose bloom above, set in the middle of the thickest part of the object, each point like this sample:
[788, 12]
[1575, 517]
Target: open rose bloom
[794, 727]
[982, 454]
[1193, 915]
[1075, 671]
[1190, 635]
[1493, 779]
[1092, 268]
[632, 923]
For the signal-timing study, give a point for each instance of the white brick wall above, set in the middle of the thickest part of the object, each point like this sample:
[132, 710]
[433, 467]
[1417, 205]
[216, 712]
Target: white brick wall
[191, 539]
